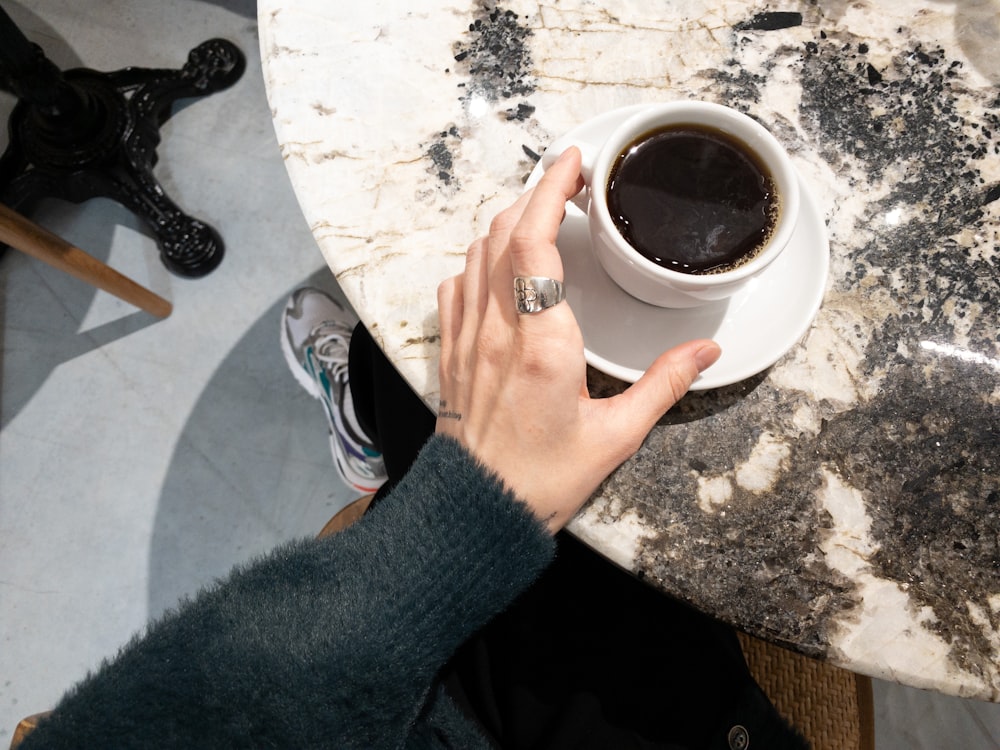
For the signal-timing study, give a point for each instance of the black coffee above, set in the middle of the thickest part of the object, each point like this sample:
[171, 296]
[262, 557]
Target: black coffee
[692, 199]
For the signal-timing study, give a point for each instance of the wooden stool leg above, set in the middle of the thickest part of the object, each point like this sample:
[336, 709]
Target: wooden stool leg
[25, 727]
[24, 235]
[346, 516]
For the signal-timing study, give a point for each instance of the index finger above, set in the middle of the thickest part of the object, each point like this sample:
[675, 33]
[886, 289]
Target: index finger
[533, 239]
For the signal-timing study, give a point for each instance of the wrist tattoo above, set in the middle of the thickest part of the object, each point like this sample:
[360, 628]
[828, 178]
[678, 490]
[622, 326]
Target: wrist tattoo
[445, 413]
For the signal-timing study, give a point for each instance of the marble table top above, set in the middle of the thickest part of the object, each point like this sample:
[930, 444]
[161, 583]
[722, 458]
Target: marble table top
[845, 501]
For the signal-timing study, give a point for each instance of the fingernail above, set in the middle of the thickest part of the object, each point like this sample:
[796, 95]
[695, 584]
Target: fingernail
[707, 356]
[565, 154]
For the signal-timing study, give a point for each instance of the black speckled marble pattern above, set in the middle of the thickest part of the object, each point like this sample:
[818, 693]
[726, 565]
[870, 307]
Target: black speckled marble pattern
[844, 502]
[917, 271]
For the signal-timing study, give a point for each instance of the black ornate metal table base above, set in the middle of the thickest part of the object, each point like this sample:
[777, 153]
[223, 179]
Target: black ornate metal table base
[81, 134]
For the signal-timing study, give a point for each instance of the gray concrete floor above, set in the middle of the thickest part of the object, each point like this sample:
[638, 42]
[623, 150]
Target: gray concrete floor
[140, 459]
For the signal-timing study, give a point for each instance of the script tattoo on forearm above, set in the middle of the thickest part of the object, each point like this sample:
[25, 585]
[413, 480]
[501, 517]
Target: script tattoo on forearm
[445, 413]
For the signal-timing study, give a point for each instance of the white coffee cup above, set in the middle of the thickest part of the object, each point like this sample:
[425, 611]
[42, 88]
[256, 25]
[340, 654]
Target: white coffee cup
[632, 271]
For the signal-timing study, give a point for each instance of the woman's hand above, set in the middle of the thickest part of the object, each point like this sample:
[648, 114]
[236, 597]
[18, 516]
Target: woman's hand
[513, 386]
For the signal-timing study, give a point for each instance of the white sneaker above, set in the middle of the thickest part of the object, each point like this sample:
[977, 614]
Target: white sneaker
[315, 336]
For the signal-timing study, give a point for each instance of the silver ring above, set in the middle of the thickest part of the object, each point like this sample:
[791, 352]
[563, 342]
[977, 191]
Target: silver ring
[536, 293]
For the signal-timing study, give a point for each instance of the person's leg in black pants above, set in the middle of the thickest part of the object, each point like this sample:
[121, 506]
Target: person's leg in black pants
[395, 418]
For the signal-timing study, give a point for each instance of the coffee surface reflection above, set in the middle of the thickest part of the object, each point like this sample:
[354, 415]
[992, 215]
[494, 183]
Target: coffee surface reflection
[692, 199]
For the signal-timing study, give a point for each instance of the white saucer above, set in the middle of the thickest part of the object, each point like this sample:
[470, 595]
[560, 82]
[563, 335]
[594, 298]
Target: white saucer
[622, 335]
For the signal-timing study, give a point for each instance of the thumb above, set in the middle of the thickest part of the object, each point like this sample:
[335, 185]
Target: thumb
[664, 384]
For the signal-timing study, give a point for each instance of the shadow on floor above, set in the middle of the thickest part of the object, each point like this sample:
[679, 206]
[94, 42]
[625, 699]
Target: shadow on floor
[251, 468]
[53, 304]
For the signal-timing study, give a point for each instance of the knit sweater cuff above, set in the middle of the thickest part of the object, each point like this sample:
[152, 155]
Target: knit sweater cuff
[473, 544]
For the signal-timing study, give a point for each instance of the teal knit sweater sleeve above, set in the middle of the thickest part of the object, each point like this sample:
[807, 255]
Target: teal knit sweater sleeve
[324, 643]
